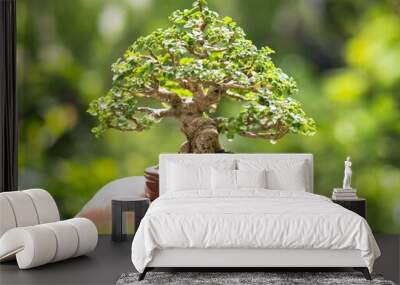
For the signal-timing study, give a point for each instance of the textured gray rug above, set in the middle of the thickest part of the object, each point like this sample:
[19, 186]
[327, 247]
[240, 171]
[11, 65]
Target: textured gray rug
[236, 278]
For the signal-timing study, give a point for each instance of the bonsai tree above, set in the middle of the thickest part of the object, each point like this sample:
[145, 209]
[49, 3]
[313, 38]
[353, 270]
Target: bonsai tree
[187, 69]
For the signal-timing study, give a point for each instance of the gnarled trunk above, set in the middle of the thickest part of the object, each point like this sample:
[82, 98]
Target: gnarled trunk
[201, 134]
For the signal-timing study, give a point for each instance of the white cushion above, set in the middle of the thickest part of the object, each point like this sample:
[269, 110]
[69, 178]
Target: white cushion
[23, 208]
[40, 244]
[265, 159]
[87, 235]
[223, 179]
[31, 246]
[230, 180]
[45, 206]
[26, 208]
[183, 177]
[7, 220]
[188, 175]
[251, 178]
[288, 175]
[31, 233]
[66, 237]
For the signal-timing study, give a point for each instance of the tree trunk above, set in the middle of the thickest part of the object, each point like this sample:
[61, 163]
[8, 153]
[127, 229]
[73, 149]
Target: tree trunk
[201, 134]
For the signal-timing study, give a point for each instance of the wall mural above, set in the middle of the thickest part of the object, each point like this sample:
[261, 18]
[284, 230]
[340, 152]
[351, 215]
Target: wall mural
[343, 56]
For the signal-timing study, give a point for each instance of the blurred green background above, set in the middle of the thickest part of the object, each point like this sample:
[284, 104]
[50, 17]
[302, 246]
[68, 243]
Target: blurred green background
[344, 54]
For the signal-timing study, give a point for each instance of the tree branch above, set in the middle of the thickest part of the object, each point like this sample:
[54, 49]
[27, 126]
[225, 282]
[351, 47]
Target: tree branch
[269, 136]
[158, 113]
[232, 85]
[129, 129]
[280, 132]
[138, 126]
[205, 101]
[203, 23]
[195, 53]
[216, 49]
[163, 95]
[235, 96]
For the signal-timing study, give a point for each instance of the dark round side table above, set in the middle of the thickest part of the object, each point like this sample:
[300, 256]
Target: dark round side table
[119, 205]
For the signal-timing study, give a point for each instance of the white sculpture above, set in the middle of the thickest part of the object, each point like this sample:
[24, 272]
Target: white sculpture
[347, 174]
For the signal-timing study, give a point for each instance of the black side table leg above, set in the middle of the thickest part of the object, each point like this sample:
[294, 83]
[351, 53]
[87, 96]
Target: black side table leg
[117, 213]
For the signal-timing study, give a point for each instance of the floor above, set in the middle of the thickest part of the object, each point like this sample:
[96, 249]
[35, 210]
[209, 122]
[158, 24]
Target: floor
[110, 260]
[102, 266]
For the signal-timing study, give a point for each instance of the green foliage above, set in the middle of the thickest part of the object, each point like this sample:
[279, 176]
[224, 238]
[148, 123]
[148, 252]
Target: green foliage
[344, 55]
[201, 50]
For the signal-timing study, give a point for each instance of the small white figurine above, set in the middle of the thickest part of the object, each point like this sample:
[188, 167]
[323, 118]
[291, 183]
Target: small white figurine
[347, 174]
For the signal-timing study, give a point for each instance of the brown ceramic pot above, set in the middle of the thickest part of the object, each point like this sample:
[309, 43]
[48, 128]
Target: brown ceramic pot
[151, 188]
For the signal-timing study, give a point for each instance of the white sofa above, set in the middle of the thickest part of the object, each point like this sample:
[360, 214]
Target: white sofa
[31, 231]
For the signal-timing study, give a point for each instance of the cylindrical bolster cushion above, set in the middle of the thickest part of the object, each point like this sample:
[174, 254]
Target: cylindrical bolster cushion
[7, 218]
[33, 246]
[41, 244]
[67, 240]
[26, 208]
[45, 205]
[87, 234]
[23, 208]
